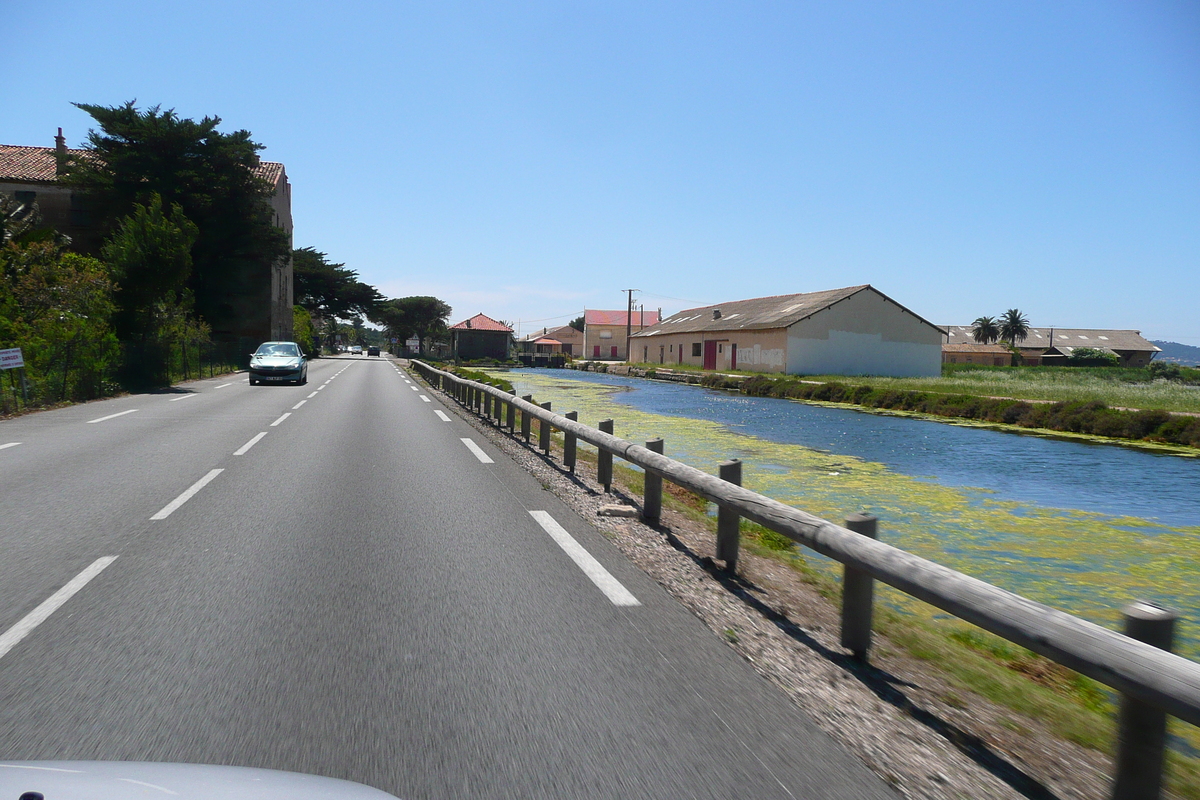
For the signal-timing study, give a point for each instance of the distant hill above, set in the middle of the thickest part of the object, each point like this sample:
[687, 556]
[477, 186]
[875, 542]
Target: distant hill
[1177, 353]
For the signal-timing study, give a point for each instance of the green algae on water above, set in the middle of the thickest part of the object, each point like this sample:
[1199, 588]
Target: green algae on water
[1085, 563]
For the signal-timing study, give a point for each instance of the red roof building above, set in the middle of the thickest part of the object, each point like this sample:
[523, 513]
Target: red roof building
[480, 337]
[604, 332]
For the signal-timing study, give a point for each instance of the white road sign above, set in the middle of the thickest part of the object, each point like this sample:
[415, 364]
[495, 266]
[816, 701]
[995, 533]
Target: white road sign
[11, 358]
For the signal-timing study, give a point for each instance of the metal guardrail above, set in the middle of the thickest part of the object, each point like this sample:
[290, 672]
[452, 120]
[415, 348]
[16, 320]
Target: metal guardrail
[1153, 682]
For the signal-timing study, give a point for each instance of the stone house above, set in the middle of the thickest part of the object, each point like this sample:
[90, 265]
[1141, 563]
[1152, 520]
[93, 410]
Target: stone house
[30, 175]
[604, 332]
[480, 337]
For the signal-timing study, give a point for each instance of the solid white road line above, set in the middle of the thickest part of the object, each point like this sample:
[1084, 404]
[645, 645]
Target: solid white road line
[170, 507]
[112, 416]
[311, 395]
[426, 399]
[442, 416]
[223, 385]
[181, 397]
[10, 444]
[302, 402]
[241, 451]
[478, 451]
[281, 419]
[51, 604]
[612, 588]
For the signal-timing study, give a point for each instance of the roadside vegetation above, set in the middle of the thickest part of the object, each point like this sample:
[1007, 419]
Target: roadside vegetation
[180, 218]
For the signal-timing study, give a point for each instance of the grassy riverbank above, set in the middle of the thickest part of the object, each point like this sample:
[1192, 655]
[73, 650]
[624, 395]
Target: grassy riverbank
[1113, 386]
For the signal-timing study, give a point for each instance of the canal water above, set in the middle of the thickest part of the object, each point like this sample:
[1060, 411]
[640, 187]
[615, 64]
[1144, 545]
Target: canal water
[1080, 526]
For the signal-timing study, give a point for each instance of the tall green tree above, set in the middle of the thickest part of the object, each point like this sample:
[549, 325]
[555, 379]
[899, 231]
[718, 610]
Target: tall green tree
[577, 323]
[150, 254]
[423, 317]
[985, 330]
[210, 175]
[327, 289]
[1014, 327]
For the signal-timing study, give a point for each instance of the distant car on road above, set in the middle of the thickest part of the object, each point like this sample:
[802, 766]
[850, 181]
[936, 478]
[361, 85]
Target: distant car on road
[276, 362]
[356, 350]
[372, 350]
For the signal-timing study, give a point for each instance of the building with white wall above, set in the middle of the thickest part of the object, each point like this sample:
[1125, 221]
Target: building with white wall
[857, 330]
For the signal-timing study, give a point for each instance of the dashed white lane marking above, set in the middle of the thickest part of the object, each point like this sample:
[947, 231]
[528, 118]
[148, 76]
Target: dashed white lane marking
[319, 388]
[51, 604]
[223, 385]
[478, 451]
[426, 399]
[281, 419]
[188, 493]
[181, 397]
[10, 444]
[111, 416]
[415, 388]
[241, 451]
[442, 416]
[612, 588]
[302, 402]
[311, 395]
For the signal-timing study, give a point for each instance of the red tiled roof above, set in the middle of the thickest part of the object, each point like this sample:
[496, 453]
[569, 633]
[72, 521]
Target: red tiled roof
[547, 341]
[481, 322]
[597, 317]
[36, 164]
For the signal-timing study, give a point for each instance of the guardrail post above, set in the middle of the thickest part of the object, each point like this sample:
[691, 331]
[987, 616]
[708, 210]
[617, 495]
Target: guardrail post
[1141, 727]
[652, 494]
[544, 432]
[487, 405]
[858, 591]
[525, 419]
[728, 520]
[569, 443]
[512, 414]
[604, 458]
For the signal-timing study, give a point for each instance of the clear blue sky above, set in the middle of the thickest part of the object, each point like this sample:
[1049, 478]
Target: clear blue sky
[528, 160]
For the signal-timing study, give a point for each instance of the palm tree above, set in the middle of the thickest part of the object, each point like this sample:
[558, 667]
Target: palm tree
[985, 330]
[1014, 327]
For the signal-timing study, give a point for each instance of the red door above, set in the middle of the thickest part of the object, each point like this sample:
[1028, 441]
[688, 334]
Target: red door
[733, 355]
[710, 354]
[614, 351]
[596, 351]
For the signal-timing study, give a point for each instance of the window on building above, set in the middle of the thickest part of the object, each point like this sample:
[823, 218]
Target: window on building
[24, 198]
[696, 349]
[720, 348]
[79, 212]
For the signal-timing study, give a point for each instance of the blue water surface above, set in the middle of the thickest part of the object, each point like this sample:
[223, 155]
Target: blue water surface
[1058, 473]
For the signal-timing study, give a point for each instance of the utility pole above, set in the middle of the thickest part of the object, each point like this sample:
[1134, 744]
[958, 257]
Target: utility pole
[629, 320]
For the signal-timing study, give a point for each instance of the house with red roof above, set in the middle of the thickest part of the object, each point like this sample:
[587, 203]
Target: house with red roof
[605, 332]
[30, 175]
[480, 337]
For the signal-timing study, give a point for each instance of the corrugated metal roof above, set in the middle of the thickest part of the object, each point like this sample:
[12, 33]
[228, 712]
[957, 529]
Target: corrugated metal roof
[595, 316]
[1063, 339]
[481, 322]
[779, 311]
[989, 349]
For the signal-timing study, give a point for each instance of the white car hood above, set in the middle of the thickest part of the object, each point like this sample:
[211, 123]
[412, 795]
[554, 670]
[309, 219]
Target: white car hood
[135, 780]
[276, 361]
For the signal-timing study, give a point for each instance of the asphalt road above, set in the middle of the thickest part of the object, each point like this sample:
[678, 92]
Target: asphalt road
[360, 594]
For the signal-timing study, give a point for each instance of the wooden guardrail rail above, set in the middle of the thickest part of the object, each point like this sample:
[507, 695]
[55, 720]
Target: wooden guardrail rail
[1153, 682]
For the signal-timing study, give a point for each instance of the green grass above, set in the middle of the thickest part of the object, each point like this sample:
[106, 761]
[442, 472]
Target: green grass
[1114, 387]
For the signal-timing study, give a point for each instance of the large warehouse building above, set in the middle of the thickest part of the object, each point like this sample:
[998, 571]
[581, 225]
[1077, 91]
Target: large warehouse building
[853, 331]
